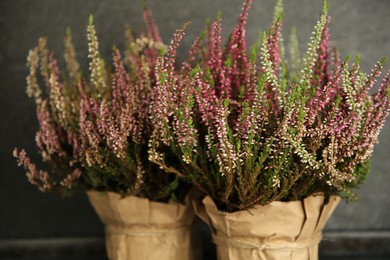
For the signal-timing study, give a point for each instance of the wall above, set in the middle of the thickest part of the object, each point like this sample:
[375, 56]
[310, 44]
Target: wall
[357, 26]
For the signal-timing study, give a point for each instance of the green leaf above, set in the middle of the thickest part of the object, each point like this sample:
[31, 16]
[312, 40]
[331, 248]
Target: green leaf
[226, 103]
[383, 61]
[229, 61]
[68, 31]
[278, 12]
[219, 15]
[326, 7]
[90, 19]
[194, 71]
[163, 51]
[242, 91]
[357, 58]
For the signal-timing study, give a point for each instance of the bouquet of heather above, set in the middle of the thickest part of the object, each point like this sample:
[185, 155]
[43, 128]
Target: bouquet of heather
[95, 132]
[271, 143]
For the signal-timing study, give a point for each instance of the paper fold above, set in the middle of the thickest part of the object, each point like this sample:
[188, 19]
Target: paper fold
[280, 230]
[137, 228]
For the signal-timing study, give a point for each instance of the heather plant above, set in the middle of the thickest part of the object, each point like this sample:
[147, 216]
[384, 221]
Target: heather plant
[251, 127]
[94, 131]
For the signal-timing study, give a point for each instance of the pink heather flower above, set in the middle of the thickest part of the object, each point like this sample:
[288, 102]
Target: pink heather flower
[120, 82]
[152, 29]
[206, 99]
[36, 177]
[46, 137]
[236, 50]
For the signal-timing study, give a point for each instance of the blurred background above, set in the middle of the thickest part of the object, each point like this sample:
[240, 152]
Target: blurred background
[34, 225]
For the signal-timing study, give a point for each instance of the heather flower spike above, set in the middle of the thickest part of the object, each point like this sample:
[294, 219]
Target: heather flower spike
[72, 64]
[96, 65]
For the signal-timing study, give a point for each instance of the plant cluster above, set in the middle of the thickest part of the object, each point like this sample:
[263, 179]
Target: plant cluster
[245, 126]
[249, 127]
[94, 131]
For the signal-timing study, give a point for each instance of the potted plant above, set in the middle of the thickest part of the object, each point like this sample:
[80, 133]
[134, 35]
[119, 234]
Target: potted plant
[94, 132]
[272, 144]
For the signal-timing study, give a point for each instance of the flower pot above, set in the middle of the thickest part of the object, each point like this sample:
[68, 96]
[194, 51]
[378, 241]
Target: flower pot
[280, 230]
[137, 228]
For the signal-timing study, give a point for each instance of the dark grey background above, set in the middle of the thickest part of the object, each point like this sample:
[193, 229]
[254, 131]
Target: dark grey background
[357, 26]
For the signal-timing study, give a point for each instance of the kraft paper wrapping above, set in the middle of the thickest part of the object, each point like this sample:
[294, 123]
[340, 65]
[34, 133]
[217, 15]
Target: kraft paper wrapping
[280, 230]
[137, 228]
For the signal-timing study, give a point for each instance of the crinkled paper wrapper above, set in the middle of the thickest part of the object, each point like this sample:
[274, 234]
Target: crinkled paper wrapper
[278, 231]
[139, 229]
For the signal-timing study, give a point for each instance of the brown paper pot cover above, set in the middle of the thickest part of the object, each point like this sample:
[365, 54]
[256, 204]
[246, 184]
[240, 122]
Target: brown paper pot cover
[278, 231]
[137, 228]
